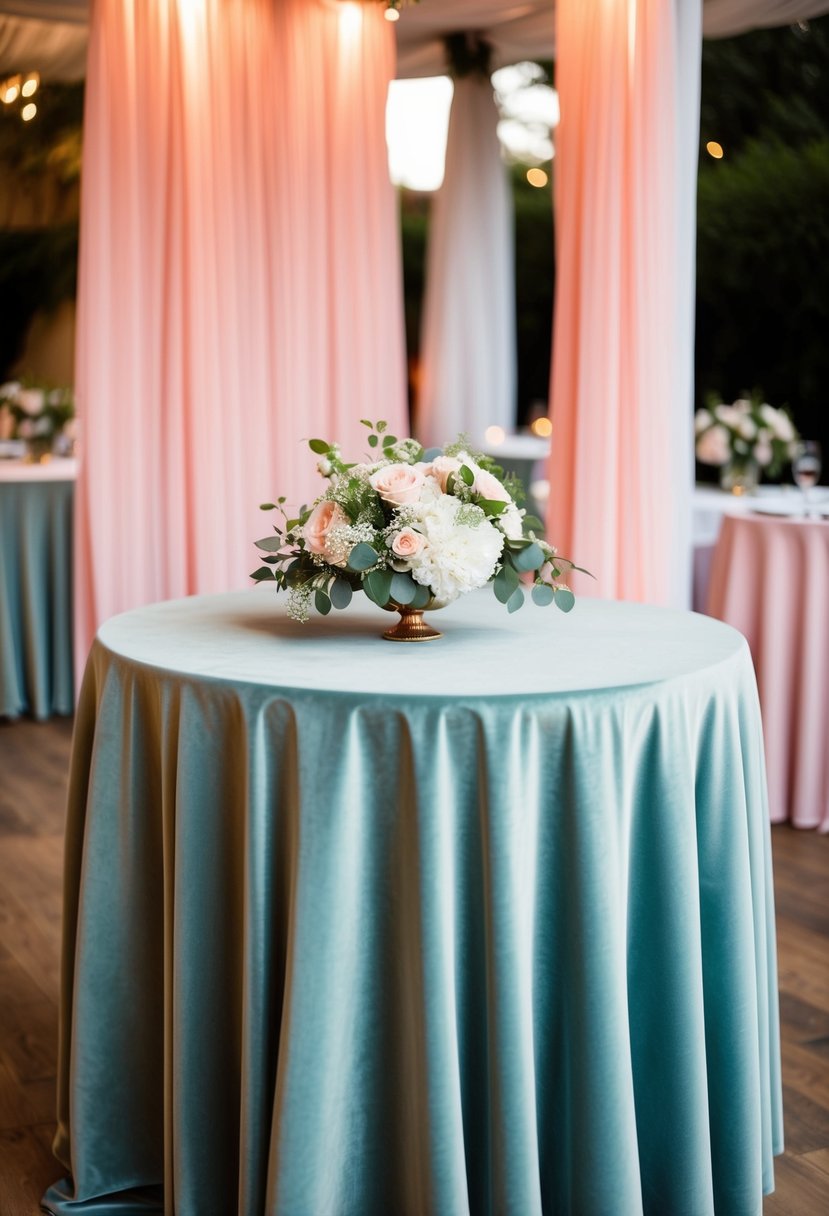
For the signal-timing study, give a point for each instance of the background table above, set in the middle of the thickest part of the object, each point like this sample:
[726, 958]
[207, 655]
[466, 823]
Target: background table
[36, 504]
[770, 579]
[711, 505]
[478, 926]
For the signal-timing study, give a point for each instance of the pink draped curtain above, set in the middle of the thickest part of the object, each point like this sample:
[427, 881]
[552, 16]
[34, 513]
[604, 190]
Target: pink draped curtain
[239, 280]
[621, 465]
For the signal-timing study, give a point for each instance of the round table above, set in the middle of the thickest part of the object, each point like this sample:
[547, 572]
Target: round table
[770, 579]
[711, 505]
[36, 503]
[354, 928]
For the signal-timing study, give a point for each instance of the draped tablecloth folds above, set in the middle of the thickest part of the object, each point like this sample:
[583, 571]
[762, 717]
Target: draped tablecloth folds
[354, 929]
[36, 505]
[770, 580]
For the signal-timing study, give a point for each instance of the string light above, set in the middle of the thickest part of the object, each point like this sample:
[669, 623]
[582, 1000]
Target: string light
[11, 89]
[392, 13]
[542, 427]
[30, 84]
[537, 177]
[495, 434]
[28, 112]
[714, 149]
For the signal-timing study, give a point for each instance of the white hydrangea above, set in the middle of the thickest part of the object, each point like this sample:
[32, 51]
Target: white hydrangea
[511, 521]
[456, 557]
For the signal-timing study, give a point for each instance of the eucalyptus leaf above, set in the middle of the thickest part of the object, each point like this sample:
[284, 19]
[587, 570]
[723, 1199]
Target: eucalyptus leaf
[366, 422]
[403, 587]
[381, 426]
[269, 544]
[542, 594]
[422, 597]
[389, 441]
[377, 586]
[362, 557]
[533, 524]
[466, 474]
[516, 600]
[530, 558]
[491, 506]
[319, 446]
[262, 574]
[341, 593]
[373, 440]
[564, 598]
[267, 506]
[505, 583]
[322, 603]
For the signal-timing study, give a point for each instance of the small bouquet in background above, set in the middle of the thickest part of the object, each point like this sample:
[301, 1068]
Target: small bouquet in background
[412, 529]
[750, 431]
[37, 414]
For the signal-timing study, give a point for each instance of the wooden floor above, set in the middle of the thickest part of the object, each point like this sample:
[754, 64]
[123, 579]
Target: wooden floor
[33, 765]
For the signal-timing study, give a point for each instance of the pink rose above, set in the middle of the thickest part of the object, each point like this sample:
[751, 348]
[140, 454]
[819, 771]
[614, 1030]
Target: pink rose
[489, 487]
[398, 484]
[406, 543]
[325, 516]
[713, 446]
[441, 467]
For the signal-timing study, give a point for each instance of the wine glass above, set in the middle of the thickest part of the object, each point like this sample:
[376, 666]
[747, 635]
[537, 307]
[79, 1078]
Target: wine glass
[806, 469]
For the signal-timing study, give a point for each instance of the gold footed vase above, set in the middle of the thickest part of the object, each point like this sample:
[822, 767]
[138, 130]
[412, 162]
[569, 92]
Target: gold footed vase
[411, 627]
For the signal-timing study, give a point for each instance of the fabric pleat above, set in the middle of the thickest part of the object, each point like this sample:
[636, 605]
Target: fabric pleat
[621, 464]
[468, 357]
[755, 559]
[240, 284]
[36, 598]
[348, 954]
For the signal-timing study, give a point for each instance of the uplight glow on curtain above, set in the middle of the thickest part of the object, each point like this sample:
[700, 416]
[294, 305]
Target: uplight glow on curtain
[621, 465]
[239, 280]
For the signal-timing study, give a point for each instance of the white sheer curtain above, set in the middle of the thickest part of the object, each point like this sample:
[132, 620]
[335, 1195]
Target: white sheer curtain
[239, 280]
[621, 466]
[468, 340]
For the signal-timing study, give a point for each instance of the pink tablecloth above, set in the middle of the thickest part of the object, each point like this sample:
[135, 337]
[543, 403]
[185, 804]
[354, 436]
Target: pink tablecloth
[770, 579]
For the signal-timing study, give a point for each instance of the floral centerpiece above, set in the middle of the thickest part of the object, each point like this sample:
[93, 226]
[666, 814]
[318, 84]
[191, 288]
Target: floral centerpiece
[413, 530]
[37, 414]
[744, 438]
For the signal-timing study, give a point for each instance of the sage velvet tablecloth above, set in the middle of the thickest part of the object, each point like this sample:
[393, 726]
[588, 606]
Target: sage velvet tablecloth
[36, 504]
[362, 929]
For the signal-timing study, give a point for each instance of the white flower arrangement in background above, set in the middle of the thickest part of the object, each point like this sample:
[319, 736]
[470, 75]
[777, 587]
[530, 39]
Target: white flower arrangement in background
[413, 529]
[748, 430]
[36, 413]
